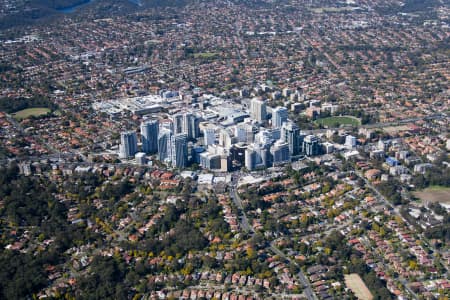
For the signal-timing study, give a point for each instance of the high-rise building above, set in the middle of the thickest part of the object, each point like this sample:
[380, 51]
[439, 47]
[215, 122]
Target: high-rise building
[256, 156]
[237, 154]
[179, 148]
[140, 158]
[164, 146]
[264, 138]
[245, 133]
[128, 144]
[210, 136]
[250, 158]
[311, 145]
[190, 126]
[280, 152]
[276, 133]
[186, 123]
[178, 122]
[210, 161]
[149, 133]
[290, 133]
[240, 132]
[328, 147]
[225, 139]
[258, 110]
[350, 141]
[279, 116]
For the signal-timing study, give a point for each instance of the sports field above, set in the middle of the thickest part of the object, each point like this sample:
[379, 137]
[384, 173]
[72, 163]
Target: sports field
[25, 113]
[439, 194]
[206, 55]
[338, 121]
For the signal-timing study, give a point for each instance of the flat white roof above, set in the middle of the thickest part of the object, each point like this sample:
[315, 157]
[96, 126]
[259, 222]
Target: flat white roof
[205, 178]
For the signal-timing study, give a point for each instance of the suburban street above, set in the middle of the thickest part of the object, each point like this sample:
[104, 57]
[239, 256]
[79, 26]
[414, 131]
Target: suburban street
[308, 291]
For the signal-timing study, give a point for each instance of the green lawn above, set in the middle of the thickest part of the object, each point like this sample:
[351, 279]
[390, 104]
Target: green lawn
[337, 121]
[37, 111]
[438, 188]
[206, 55]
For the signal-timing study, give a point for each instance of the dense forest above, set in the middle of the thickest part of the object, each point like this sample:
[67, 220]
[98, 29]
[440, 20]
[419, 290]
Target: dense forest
[28, 203]
[42, 11]
[31, 205]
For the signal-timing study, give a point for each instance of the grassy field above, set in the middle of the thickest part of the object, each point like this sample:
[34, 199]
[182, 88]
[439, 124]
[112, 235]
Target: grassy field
[439, 194]
[37, 111]
[206, 55]
[357, 285]
[337, 121]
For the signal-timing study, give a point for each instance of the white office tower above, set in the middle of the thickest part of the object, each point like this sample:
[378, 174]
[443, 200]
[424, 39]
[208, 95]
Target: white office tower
[240, 132]
[328, 147]
[128, 144]
[140, 158]
[280, 152]
[258, 110]
[350, 141]
[290, 133]
[279, 116]
[149, 133]
[225, 139]
[179, 150]
[210, 136]
[250, 157]
[264, 137]
[256, 156]
[245, 133]
[164, 146]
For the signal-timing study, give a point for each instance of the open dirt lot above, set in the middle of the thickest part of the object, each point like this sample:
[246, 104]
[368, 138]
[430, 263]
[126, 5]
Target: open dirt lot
[434, 194]
[357, 285]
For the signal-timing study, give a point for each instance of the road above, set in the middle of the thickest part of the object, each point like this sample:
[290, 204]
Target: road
[403, 281]
[245, 225]
[377, 193]
[38, 139]
[397, 212]
[309, 293]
